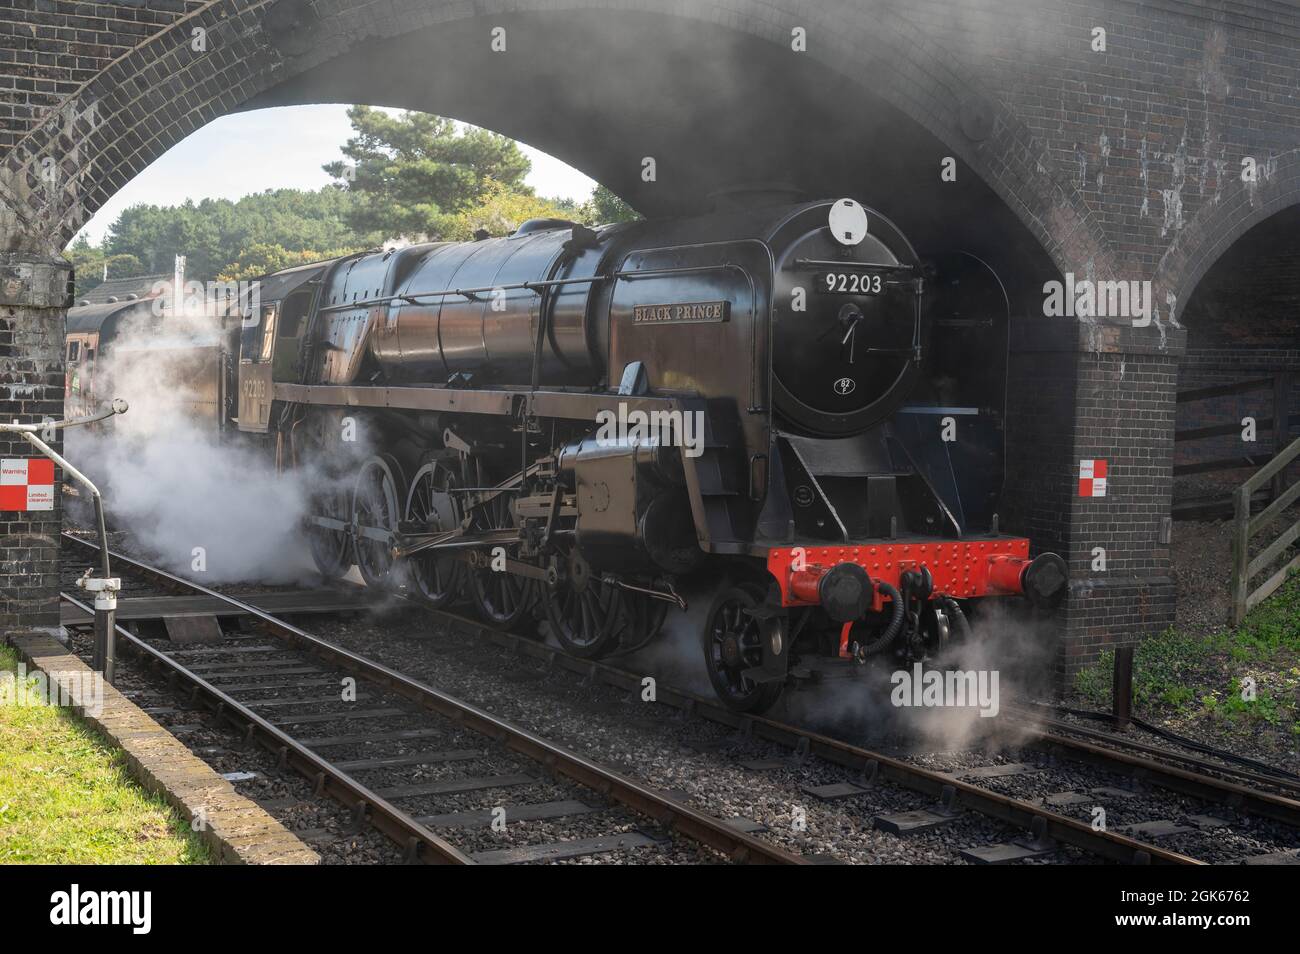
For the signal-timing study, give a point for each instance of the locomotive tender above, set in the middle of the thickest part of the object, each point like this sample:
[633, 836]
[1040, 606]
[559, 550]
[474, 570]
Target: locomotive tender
[782, 408]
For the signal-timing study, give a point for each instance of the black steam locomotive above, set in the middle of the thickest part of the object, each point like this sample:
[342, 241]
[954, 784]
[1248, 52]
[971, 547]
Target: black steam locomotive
[781, 412]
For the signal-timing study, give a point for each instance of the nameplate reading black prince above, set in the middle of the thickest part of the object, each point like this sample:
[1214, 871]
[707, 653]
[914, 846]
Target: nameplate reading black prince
[686, 312]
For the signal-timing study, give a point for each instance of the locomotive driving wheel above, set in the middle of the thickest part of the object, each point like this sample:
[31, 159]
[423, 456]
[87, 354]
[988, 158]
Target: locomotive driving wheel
[583, 610]
[436, 574]
[331, 547]
[375, 513]
[501, 597]
[732, 645]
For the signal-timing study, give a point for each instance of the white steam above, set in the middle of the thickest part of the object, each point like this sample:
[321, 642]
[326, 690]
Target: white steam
[210, 509]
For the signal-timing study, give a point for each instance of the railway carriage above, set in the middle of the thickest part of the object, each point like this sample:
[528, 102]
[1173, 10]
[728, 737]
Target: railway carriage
[781, 412]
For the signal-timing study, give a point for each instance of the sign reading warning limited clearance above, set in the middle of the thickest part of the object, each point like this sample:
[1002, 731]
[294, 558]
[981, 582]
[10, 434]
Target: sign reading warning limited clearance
[26, 483]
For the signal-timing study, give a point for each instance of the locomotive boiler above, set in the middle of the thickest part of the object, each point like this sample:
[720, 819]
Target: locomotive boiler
[782, 412]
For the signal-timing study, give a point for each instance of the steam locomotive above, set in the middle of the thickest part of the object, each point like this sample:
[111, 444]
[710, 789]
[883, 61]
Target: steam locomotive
[782, 412]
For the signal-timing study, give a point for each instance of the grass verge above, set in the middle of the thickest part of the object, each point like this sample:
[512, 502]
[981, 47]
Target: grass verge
[66, 797]
[1238, 682]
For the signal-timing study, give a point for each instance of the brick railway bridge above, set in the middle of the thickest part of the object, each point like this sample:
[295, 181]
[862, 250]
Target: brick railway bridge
[1103, 139]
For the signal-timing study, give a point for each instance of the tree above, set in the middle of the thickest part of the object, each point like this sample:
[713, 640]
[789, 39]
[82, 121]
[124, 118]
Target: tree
[412, 174]
[213, 233]
[604, 207]
[91, 262]
[501, 210]
[263, 258]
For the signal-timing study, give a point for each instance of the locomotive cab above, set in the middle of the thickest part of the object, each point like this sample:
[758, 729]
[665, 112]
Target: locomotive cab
[276, 317]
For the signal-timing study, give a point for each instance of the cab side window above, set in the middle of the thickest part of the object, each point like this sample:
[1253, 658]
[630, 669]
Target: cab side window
[294, 313]
[257, 338]
[74, 351]
[268, 332]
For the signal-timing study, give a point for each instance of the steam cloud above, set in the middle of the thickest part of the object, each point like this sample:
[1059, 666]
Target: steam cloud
[168, 478]
[855, 702]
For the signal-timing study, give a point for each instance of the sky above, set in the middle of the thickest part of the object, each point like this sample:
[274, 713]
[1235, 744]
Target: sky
[274, 149]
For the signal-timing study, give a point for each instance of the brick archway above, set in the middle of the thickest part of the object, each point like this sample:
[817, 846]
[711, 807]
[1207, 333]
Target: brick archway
[1217, 226]
[150, 98]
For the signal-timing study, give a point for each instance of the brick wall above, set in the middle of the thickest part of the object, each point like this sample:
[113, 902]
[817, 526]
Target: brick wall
[1125, 416]
[33, 297]
[1103, 392]
[50, 47]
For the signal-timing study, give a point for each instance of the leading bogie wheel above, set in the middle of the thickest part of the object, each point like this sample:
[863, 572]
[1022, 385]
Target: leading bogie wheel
[732, 645]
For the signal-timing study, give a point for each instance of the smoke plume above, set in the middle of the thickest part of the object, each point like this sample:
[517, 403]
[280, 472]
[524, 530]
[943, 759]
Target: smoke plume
[210, 509]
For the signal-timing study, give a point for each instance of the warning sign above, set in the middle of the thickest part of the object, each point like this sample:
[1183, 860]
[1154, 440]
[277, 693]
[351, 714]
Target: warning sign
[1092, 478]
[26, 483]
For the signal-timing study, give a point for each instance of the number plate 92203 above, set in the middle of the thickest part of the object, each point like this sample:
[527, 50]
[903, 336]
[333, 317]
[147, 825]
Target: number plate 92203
[850, 283]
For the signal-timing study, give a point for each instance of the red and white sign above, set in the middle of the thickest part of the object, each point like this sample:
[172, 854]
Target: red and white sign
[26, 483]
[1092, 478]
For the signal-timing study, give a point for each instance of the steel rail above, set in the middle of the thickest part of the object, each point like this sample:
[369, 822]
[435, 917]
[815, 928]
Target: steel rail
[872, 765]
[419, 842]
[1061, 732]
[1279, 808]
[698, 826]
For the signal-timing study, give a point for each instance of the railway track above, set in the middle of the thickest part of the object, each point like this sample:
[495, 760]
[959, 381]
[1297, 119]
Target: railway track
[971, 783]
[234, 682]
[1120, 775]
[1045, 826]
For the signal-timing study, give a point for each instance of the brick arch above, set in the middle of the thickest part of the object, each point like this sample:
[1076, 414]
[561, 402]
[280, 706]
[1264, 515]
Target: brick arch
[1218, 225]
[163, 90]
